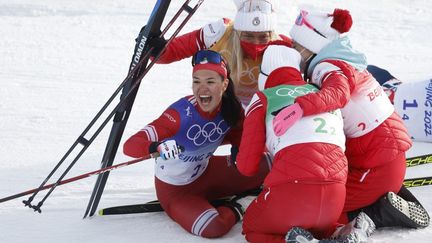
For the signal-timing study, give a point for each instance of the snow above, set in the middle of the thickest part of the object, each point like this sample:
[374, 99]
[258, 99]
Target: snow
[62, 60]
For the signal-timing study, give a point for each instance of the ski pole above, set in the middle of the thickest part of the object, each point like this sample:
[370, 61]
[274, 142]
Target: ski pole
[130, 92]
[135, 71]
[81, 138]
[79, 177]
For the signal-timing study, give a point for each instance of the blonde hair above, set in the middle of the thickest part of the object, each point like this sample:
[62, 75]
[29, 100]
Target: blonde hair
[235, 60]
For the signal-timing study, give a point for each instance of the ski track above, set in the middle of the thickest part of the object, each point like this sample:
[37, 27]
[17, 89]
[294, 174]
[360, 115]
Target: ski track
[61, 61]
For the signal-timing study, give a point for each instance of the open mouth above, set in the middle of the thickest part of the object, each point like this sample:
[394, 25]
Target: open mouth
[205, 99]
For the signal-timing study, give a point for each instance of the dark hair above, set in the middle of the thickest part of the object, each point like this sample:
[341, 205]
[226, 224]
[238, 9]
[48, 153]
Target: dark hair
[231, 106]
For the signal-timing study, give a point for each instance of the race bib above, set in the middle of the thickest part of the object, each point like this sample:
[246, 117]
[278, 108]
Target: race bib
[413, 102]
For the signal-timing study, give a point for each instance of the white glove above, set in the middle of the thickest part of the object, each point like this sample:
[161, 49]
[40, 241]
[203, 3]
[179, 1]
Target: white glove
[168, 150]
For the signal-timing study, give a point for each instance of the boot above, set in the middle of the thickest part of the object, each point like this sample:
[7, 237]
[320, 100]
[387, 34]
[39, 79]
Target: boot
[412, 213]
[239, 205]
[300, 235]
[237, 208]
[394, 211]
[357, 231]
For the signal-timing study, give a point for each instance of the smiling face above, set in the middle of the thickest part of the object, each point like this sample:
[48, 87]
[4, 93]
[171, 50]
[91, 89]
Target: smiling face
[208, 87]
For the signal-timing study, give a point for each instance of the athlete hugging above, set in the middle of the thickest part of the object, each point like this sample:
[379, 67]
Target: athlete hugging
[309, 133]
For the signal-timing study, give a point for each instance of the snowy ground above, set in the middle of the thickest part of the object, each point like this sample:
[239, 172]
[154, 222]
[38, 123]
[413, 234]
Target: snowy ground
[61, 60]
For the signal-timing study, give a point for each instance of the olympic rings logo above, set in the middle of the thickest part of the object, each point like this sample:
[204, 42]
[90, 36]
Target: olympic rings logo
[297, 91]
[209, 132]
[248, 75]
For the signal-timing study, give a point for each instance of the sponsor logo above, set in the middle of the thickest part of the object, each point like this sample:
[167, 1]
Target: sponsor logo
[169, 117]
[418, 161]
[375, 93]
[418, 182]
[139, 51]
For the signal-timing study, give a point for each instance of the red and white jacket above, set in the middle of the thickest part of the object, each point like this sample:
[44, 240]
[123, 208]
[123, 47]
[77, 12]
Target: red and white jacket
[218, 36]
[310, 162]
[188, 44]
[375, 133]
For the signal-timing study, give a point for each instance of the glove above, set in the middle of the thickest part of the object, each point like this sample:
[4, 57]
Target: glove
[286, 118]
[168, 150]
[158, 43]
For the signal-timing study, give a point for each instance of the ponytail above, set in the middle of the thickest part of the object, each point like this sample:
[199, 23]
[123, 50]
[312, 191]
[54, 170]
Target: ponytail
[231, 107]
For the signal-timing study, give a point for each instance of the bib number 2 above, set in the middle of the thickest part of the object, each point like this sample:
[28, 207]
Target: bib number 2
[322, 128]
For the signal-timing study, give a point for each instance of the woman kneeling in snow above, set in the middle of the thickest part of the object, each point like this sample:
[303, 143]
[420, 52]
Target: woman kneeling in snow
[306, 186]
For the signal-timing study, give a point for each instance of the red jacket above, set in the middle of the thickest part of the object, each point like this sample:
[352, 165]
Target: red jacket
[375, 148]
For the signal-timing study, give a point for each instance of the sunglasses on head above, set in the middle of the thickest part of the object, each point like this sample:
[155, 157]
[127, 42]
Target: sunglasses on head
[301, 20]
[212, 57]
[207, 56]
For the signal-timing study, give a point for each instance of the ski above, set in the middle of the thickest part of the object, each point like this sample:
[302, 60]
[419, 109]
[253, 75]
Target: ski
[419, 181]
[419, 160]
[138, 69]
[120, 119]
[149, 207]
[154, 206]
